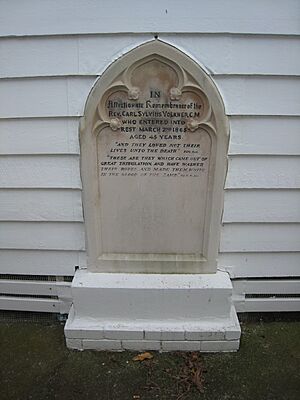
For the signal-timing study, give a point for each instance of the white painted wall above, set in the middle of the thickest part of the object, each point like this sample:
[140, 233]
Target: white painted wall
[51, 53]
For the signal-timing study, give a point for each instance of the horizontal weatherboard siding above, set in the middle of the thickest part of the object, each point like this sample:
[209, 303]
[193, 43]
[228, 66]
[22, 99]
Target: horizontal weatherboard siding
[261, 206]
[40, 171]
[241, 54]
[244, 264]
[91, 54]
[42, 235]
[270, 172]
[35, 17]
[255, 205]
[288, 287]
[253, 135]
[40, 262]
[44, 97]
[51, 54]
[39, 135]
[40, 205]
[257, 237]
[270, 304]
[260, 264]
[31, 304]
[266, 295]
[62, 171]
[63, 55]
[265, 135]
[237, 237]
[66, 96]
[259, 95]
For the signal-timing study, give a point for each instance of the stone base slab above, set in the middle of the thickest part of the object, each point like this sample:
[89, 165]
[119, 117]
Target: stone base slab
[147, 345]
[118, 312]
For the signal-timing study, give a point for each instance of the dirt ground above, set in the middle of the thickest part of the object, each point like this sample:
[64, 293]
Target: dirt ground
[35, 364]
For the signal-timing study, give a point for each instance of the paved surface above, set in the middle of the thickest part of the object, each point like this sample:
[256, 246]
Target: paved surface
[35, 364]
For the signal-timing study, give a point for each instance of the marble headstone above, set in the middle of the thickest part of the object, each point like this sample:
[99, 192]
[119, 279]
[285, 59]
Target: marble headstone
[150, 142]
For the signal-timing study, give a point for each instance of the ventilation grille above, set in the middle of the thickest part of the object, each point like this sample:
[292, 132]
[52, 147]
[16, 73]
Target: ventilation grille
[272, 295]
[28, 296]
[39, 278]
[35, 293]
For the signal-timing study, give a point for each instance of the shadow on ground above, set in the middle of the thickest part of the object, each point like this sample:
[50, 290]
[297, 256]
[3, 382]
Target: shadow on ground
[35, 364]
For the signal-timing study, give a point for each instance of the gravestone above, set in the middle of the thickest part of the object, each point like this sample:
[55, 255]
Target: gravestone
[153, 160]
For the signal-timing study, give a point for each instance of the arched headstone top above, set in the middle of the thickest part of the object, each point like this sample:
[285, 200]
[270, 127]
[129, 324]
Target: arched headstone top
[154, 142]
[188, 76]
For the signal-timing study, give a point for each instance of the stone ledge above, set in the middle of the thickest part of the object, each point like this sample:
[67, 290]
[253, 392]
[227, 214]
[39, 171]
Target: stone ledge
[141, 345]
[92, 329]
[102, 345]
[151, 297]
[180, 345]
[219, 346]
[75, 344]
[162, 346]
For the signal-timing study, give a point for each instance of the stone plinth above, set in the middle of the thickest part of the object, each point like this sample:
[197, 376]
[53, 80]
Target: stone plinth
[118, 312]
[154, 139]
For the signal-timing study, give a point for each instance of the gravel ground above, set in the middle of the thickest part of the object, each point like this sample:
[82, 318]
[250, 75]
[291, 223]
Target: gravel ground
[35, 364]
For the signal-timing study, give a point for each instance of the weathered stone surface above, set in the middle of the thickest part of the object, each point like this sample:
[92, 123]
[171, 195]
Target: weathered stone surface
[153, 165]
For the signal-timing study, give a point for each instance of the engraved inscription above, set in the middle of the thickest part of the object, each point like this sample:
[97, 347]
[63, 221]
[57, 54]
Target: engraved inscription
[155, 131]
[154, 154]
